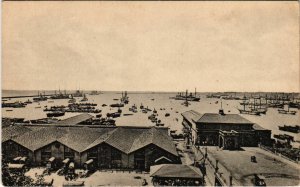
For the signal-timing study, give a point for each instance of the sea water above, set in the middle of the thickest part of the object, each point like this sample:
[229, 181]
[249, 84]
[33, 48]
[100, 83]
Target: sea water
[159, 101]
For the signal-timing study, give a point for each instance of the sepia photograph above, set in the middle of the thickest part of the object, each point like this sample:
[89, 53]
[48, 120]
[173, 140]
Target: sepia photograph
[150, 93]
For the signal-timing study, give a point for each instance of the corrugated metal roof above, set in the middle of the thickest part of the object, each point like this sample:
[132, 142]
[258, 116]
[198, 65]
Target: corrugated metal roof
[80, 139]
[193, 116]
[75, 119]
[154, 136]
[227, 118]
[175, 171]
[13, 131]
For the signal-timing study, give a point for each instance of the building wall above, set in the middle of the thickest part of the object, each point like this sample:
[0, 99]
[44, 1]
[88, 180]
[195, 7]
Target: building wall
[11, 149]
[78, 160]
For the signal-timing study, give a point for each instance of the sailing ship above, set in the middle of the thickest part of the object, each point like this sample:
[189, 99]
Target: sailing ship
[40, 97]
[78, 93]
[124, 99]
[60, 95]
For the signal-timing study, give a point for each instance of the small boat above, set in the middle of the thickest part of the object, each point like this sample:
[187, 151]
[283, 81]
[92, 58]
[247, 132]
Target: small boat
[142, 106]
[127, 114]
[95, 93]
[72, 100]
[282, 111]
[28, 102]
[84, 98]
[55, 114]
[117, 105]
[294, 129]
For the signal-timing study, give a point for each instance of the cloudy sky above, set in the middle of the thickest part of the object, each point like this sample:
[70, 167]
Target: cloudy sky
[151, 46]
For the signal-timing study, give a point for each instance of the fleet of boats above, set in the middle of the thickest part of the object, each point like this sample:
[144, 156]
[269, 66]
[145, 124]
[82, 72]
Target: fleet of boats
[288, 128]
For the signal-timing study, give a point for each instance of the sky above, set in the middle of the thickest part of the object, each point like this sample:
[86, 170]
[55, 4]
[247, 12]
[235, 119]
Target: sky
[151, 46]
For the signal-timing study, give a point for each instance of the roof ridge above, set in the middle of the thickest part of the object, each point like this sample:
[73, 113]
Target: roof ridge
[141, 134]
[107, 134]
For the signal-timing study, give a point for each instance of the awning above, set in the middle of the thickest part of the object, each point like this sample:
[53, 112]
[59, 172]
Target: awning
[17, 158]
[175, 171]
[23, 159]
[89, 161]
[73, 183]
[15, 166]
[71, 165]
[65, 161]
[51, 159]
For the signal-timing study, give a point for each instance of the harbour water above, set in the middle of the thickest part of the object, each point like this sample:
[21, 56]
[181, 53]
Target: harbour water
[159, 101]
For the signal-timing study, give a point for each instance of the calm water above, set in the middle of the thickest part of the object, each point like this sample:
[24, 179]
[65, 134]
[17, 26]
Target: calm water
[161, 100]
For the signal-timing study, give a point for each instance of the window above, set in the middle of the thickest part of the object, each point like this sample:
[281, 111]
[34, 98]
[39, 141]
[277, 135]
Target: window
[69, 153]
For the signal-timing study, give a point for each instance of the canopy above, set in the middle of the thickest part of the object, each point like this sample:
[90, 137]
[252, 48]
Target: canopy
[15, 166]
[65, 161]
[51, 159]
[89, 161]
[73, 183]
[23, 159]
[71, 165]
[17, 158]
[175, 171]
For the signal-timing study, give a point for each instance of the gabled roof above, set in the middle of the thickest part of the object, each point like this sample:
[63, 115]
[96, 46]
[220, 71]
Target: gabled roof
[153, 136]
[34, 140]
[175, 171]
[13, 131]
[123, 138]
[105, 135]
[78, 138]
[192, 116]
[75, 119]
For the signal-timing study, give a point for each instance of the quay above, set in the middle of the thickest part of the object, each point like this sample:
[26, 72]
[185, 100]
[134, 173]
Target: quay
[25, 96]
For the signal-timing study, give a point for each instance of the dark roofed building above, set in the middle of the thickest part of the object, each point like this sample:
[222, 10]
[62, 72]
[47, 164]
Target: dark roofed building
[109, 147]
[75, 119]
[224, 130]
[176, 175]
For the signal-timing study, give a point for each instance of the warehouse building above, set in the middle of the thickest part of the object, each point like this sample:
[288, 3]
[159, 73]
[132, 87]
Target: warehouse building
[108, 147]
[229, 131]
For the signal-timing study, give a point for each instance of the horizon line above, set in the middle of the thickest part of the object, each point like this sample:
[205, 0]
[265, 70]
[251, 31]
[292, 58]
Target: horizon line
[230, 91]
